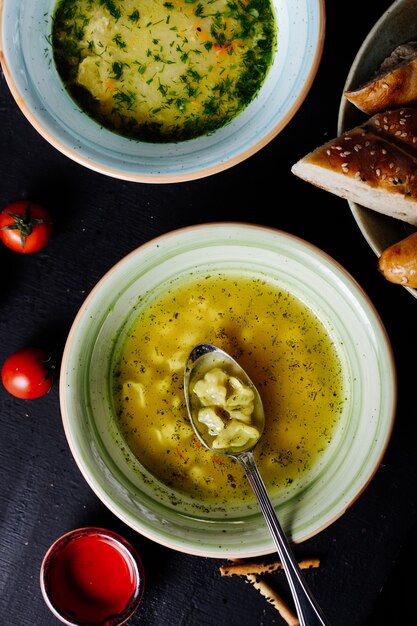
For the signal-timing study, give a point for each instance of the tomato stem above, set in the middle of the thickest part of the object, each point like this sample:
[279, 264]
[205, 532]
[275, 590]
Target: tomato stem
[24, 223]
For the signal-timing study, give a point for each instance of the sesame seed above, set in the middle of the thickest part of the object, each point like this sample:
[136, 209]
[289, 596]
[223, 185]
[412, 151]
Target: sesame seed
[328, 152]
[385, 86]
[398, 133]
[378, 171]
[404, 134]
[377, 123]
[383, 151]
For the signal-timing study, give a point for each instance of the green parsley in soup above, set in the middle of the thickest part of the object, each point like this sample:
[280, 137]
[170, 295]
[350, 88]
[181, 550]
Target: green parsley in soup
[282, 345]
[163, 70]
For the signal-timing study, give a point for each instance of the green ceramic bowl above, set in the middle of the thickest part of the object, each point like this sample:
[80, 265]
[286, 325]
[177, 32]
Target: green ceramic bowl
[359, 337]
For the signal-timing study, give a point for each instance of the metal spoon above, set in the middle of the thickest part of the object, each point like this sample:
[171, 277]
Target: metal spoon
[203, 358]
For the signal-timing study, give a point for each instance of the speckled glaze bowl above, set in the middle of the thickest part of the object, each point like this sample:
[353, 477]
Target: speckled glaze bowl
[397, 25]
[29, 69]
[299, 268]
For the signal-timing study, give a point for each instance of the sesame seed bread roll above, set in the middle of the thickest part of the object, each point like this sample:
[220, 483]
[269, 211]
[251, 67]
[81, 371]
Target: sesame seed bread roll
[374, 164]
[394, 85]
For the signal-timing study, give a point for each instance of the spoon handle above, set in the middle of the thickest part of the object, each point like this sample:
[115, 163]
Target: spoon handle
[308, 611]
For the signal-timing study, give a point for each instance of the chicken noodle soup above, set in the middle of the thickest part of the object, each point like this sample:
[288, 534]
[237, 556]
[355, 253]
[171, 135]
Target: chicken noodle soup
[163, 70]
[284, 348]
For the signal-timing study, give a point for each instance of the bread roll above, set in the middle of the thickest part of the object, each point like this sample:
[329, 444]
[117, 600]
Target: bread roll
[398, 263]
[394, 85]
[374, 164]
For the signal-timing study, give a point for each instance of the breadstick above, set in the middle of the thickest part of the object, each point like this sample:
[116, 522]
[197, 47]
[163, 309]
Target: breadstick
[240, 568]
[274, 599]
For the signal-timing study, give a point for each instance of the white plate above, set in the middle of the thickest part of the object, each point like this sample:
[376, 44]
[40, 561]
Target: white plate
[396, 26]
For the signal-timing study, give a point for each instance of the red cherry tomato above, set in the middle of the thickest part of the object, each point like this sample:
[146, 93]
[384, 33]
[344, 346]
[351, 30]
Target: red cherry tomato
[25, 226]
[27, 373]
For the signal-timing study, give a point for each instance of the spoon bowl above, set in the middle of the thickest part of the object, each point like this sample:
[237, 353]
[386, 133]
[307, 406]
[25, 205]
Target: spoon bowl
[203, 358]
[219, 393]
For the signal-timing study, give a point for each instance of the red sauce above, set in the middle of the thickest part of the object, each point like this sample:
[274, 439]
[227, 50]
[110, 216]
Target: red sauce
[91, 578]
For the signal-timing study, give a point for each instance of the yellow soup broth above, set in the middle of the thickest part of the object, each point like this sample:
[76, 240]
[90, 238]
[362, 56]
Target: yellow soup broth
[282, 345]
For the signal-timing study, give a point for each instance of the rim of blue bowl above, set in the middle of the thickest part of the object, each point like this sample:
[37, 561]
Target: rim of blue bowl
[31, 75]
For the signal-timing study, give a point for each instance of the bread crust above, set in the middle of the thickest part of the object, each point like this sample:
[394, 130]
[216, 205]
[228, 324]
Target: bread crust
[399, 126]
[398, 263]
[394, 86]
[374, 164]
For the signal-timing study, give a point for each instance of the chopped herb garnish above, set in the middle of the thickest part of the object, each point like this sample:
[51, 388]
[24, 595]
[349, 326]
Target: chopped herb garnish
[117, 69]
[111, 6]
[118, 40]
[124, 99]
[134, 17]
[208, 78]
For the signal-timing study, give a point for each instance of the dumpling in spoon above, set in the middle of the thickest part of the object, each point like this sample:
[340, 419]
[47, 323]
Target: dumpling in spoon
[227, 407]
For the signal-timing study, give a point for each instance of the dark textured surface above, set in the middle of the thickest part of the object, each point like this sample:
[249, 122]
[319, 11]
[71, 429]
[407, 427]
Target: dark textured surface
[98, 221]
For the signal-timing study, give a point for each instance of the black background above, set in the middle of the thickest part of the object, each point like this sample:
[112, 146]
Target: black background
[98, 220]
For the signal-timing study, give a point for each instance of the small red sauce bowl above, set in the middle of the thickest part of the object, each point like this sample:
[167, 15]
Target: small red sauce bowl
[92, 577]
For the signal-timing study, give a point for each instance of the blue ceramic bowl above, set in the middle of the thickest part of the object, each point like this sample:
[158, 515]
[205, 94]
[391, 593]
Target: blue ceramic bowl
[30, 72]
